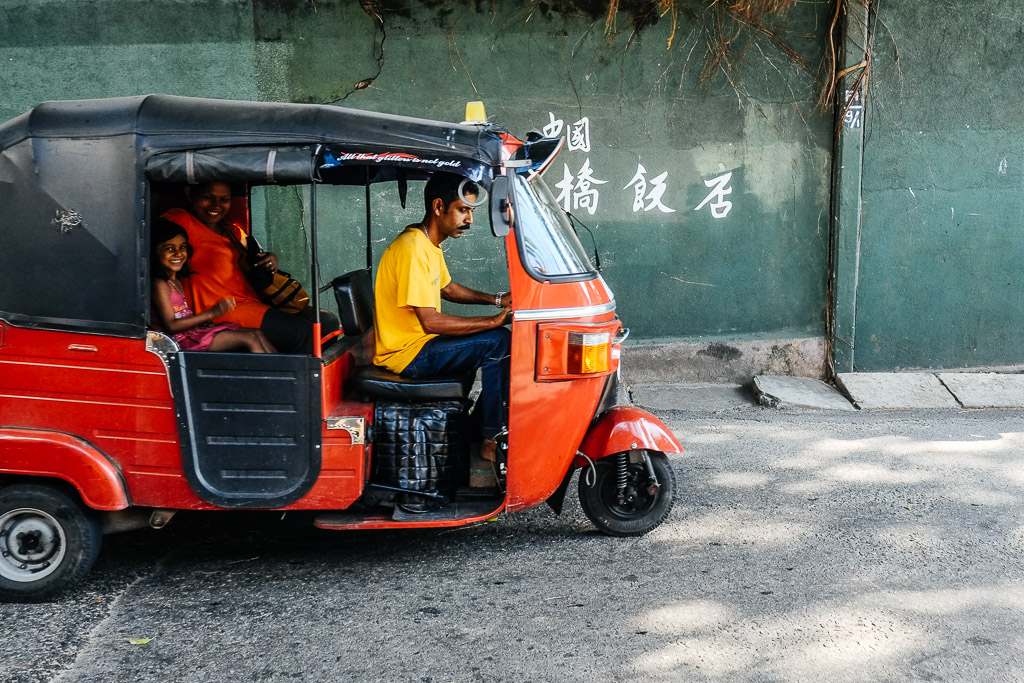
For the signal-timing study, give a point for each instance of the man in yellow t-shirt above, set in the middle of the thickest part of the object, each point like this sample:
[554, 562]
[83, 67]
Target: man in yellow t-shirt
[414, 338]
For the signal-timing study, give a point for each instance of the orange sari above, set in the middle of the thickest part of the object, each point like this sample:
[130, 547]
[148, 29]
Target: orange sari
[216, 273]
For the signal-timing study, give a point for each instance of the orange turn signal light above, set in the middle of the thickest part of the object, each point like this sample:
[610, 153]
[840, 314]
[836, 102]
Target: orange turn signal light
[588, 352]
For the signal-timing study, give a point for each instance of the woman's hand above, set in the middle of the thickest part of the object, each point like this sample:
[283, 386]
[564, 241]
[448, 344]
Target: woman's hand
[266, 259]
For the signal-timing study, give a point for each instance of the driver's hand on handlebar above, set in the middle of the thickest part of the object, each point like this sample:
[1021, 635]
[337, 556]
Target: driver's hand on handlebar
[266, 259]
[506, 314]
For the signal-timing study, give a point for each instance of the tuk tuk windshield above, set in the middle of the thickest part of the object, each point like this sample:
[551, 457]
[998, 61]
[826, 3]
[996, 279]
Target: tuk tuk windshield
[547, 241]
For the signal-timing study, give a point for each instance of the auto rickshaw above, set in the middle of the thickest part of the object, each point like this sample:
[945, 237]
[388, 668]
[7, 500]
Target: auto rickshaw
[106, 425]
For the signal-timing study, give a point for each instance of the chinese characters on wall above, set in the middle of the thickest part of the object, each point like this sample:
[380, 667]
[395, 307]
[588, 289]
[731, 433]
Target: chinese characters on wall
[579, 191]
[579, 188]
[716, 200]
[576, 190]
[653, 198]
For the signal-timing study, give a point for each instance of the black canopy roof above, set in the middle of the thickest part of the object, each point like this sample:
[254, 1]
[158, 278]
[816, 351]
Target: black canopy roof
[169, 122]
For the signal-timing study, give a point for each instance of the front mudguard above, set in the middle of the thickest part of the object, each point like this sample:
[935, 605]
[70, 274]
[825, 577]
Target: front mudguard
[617, 430]
[625, 428]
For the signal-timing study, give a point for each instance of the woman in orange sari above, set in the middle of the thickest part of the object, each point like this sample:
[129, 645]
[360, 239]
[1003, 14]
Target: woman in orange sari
[217, 272]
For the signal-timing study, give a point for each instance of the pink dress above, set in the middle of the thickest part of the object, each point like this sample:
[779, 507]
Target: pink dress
[198, 338]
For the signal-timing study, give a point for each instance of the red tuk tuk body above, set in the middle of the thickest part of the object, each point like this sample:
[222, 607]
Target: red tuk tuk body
[106, 425]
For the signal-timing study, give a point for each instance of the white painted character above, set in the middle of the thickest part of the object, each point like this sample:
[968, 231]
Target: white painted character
[653, 198]
[579, 135]
[554, 128]
[585, 196]
[720, 207]
[854, 117]
[577, 192]
[564, 187]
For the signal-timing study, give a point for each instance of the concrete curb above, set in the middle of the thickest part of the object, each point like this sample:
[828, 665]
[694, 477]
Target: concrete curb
[690, 396]
[894, 391]
[798, 392]
[985, 389]
[858, 390]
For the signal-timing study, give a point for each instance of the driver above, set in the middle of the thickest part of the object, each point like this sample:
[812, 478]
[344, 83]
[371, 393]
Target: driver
[414, 338]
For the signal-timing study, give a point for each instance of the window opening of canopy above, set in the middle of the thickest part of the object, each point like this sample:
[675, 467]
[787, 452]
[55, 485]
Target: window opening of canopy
[548, 244]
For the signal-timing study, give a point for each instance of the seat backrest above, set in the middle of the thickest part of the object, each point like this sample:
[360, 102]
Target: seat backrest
[354, 294]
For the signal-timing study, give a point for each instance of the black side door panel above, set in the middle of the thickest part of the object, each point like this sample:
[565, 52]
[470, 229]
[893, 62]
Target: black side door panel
[249, 426]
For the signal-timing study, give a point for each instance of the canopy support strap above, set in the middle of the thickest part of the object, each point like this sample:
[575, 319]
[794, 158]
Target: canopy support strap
[369, 239]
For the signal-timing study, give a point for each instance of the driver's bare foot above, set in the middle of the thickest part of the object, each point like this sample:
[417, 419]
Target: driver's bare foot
[489, 450]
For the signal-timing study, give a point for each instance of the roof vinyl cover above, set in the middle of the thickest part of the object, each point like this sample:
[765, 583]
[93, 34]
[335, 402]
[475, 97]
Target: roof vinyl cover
[172, 123]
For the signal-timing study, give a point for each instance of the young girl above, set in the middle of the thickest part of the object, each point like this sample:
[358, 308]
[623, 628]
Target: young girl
[169, 264]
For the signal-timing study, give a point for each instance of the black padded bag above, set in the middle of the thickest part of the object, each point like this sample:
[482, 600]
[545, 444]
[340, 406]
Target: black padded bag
[420, 446]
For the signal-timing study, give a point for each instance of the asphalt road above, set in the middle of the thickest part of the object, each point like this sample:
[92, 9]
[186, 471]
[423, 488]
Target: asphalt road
[803, 547]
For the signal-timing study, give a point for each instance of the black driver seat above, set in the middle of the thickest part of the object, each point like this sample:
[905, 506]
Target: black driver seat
[354, 294]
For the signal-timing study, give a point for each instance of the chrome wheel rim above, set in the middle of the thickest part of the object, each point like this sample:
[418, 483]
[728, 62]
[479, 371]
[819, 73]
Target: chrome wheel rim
[32, 545]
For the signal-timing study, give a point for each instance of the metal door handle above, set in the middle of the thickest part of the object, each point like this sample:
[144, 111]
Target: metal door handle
[82, 347]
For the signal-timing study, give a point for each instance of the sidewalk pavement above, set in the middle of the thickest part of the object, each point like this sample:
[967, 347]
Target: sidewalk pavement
[857, 390]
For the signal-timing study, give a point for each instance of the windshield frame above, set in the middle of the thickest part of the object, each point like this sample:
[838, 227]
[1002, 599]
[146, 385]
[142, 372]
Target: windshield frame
[562, 230]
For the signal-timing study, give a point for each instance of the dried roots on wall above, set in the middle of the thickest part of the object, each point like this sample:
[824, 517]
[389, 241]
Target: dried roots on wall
[730, 24]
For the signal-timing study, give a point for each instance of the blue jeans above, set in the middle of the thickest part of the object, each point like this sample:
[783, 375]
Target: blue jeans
[489, 351]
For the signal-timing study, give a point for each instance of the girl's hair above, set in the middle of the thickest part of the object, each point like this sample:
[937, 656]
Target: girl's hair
[164, 230]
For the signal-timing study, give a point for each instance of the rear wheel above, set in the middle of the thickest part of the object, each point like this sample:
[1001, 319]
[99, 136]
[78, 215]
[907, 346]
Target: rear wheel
[47, 542]
[620, 497]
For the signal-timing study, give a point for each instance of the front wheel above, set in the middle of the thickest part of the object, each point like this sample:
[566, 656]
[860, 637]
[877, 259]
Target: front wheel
[47, 542]
[620, 497]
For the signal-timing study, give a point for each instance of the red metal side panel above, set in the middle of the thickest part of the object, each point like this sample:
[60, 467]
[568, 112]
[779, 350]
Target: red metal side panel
[344, 462]
[106, 391]
[547, 420]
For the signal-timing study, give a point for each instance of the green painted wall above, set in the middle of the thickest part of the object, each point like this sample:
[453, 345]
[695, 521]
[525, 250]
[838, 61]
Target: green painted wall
[79, 49]
[943, 192]
[757, 270]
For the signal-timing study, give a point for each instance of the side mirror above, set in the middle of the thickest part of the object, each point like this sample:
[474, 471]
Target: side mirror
[501, 205]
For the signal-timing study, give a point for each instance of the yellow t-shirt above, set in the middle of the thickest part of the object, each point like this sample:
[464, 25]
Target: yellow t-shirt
[412, 272]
